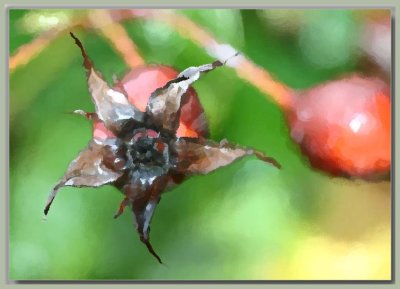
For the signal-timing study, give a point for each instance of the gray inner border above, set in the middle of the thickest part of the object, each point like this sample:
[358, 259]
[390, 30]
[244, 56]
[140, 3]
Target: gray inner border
[254, 4]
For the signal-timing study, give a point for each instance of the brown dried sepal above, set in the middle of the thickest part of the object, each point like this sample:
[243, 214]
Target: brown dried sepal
[112, 105]
[165, 103]
[97, 165]
[202, 156]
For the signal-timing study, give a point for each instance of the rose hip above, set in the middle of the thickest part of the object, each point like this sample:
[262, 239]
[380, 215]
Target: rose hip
[343, 126]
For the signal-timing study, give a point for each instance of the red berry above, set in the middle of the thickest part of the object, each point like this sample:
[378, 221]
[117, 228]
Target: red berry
[344, 126]
[141, 81]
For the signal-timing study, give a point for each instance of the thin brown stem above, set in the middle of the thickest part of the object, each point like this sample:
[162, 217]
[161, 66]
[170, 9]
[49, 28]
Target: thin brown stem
[246, 69]
[25, 53]
[116, 34]
[113, 31]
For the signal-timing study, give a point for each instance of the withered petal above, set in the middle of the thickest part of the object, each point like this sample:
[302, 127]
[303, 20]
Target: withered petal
[97, 165]
[143, 213]
[165, 103]
[112, 105]
[143, 191]
[201, 156]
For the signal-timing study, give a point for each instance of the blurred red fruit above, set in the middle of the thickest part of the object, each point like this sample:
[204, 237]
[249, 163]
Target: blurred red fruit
[344, 126]
[141, 81]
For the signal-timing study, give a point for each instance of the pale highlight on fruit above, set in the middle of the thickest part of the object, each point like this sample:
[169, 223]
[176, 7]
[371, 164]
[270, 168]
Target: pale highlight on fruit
[344, 126]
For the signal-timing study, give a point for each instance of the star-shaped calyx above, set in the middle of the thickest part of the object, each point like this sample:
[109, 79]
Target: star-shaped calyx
[139, 152]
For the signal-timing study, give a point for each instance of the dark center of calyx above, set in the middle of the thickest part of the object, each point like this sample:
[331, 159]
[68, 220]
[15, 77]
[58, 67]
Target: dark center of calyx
[148, 148]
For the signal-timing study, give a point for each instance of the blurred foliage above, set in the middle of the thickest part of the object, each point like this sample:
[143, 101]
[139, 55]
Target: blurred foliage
[245, 221]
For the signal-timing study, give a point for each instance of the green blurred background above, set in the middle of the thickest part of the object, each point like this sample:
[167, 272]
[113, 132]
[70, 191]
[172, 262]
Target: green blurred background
[245, 221]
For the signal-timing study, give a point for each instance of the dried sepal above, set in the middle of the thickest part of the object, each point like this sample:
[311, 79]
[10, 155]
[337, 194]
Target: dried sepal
[143, 210]
[97, 165]
[202, 156]
[165, 103]
[112, 105]
[143, 192]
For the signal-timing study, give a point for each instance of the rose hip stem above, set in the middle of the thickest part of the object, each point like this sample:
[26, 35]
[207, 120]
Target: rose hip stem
[26, 52]
[116, 34]
[121, 42]
[113, 31]
[244, 67]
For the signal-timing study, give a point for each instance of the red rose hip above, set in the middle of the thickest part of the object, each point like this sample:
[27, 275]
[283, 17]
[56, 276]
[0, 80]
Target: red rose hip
[344, 126]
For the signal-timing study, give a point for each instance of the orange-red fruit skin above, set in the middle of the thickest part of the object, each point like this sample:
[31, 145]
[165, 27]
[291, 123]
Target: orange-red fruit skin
[343, 126]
